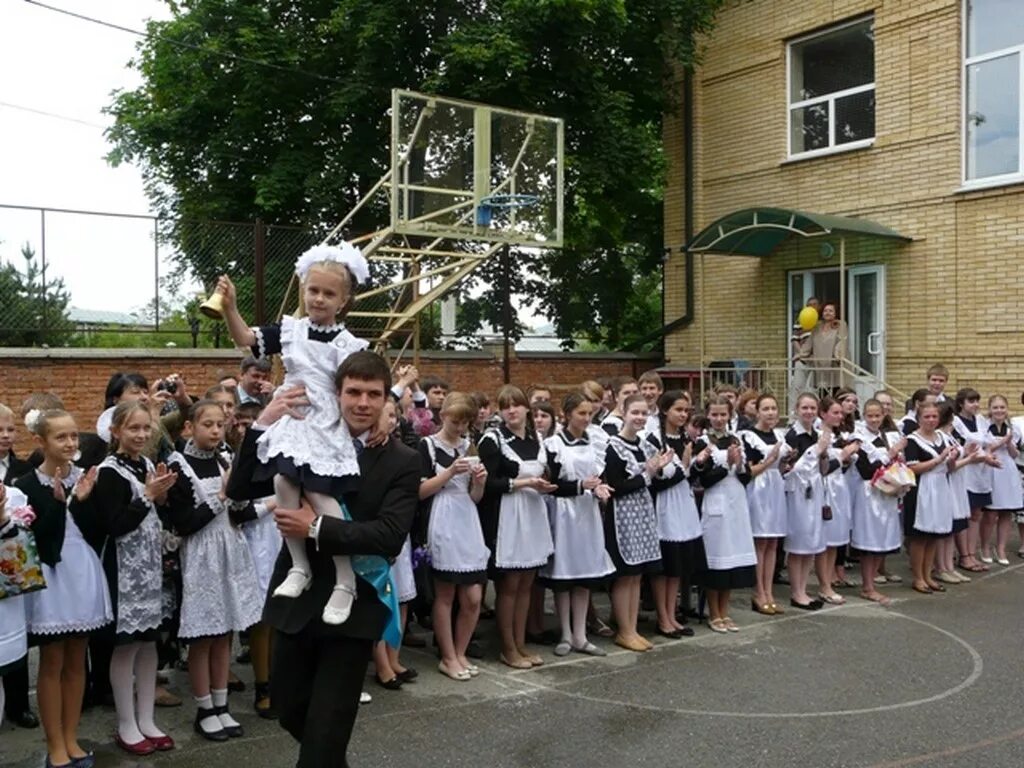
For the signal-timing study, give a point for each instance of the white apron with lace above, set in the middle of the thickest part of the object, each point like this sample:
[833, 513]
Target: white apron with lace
[576, 526]
[766, 493]
[264, 543]
[977, 477]
[219, 583]
[139, 562]
[958, 484]
[524, 534]
[837, 496]
[76, 599]
[728, 538]
[932, 512]
[321, 440]
[805, 495]
[454, 535]
[1007, 493]
[636, 522]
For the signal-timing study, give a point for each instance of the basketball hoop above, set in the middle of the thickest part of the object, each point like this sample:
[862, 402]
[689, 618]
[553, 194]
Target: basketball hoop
[485, 210]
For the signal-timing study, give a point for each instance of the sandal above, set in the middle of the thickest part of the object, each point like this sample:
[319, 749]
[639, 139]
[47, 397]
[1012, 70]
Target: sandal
[599, 628]
[763, 608]
[520, 663]
[730, 625]
[832, 599]
[262, 702]
[877, 597]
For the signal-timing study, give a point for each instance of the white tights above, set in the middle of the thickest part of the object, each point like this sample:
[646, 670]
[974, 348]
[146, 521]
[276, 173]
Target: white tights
[289, 496]
[135, 662]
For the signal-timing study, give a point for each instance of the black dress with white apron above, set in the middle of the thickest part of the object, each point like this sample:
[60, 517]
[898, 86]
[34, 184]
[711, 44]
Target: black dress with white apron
[458, 554]
[522, 534]
[927, 512]
[1007, 493]
[805, 494]
[978, 477]
[679, 528]
[766, 493]
[728, 538]
[876, 525]
[132, 552]
[630, 524]
[580, 558]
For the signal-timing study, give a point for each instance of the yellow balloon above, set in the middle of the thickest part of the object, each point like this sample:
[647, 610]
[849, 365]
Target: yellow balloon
[808, 318]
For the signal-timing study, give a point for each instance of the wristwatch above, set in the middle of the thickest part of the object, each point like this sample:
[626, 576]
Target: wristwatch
[314, 528]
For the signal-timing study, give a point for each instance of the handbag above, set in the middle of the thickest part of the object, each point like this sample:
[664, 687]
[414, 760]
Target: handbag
[21, 571]
[894, 480]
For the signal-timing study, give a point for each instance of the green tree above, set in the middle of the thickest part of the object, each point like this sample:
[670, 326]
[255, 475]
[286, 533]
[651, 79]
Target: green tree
[33, 305]
[300, 139]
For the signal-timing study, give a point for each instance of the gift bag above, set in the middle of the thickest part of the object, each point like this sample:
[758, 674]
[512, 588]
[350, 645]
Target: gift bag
[20, 569]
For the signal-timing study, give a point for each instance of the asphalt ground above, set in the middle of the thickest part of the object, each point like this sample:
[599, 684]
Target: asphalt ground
[932, 680]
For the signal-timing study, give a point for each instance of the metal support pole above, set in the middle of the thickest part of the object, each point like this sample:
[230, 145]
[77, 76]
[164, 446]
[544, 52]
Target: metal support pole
[416, 322]
[259, 262]
[156, 274]
[42, 259]
[703, 313]
[506, 282]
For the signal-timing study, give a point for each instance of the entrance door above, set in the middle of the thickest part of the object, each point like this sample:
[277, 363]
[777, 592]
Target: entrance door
[864, 314]
[866, 296]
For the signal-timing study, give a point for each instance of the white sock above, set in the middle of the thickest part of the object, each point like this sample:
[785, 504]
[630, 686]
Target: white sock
[122, 662]
[210, 723]
[220, 699]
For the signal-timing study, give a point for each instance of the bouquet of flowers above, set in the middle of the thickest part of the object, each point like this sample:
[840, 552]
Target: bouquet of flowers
[20, 569]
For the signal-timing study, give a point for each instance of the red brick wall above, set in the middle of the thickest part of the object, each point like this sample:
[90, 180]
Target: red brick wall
[80, 376]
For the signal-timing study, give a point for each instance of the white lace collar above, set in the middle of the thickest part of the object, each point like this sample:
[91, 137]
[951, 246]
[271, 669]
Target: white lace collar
[326, 328]
[191, 449]
[73, 475]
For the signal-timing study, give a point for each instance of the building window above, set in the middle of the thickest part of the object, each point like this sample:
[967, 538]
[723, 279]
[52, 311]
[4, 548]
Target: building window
[832, 89]
[994, 52]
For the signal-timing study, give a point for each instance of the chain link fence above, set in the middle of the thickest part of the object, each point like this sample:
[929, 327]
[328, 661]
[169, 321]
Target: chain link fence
[71, 278]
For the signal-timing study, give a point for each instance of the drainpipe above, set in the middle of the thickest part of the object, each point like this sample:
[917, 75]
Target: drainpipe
[688, 193]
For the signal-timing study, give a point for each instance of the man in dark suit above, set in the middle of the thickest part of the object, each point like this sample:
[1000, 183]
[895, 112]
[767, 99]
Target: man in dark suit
[317, 670]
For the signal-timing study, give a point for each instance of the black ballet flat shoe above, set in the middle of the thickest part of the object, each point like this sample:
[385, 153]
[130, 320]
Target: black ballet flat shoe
[26, 719]
[409, 675]
[262, 702]
[674, 634]
[474, 650]
[394, 684]
[233, 731]
[236, 686]
[814, 605]
[218, 735]
[686, 632]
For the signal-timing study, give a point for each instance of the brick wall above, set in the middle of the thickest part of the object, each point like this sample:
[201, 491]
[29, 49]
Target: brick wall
[951, 294]
[80, 376]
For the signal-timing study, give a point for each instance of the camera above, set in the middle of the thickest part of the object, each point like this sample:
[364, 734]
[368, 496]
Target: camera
[170, 387]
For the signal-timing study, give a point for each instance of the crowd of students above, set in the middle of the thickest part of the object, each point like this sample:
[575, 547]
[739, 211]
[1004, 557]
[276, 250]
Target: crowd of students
[617, 485]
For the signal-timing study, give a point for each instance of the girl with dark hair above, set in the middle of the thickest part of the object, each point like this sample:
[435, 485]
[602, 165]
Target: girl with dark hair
[631, 525]
[515, 518]
[580, 562]
[909, 422]
[836, 510]
[945, 565]
[969, 427]
[728, 538]
[679, 529]
[766, 450]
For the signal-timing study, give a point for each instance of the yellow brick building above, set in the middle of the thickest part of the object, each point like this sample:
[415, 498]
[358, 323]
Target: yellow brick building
[905, 113]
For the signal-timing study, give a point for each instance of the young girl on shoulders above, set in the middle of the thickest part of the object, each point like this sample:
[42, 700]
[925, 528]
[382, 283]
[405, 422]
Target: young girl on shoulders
[453, 481]
[76, 600]
[728, 538]
[631, 523]
[129, 490]
[219, 592]
[580, 562]
[313, 456]
[679, 529]
[766, 450]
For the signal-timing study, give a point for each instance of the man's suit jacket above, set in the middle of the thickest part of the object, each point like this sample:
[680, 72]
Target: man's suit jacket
[382, 511]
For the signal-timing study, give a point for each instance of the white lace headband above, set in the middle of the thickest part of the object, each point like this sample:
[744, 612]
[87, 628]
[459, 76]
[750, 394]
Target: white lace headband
[345, 253]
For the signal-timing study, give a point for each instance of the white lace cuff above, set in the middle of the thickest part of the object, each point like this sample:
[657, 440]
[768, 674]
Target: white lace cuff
[261, 343]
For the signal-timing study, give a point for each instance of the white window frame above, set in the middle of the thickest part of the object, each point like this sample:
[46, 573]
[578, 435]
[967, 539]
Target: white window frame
[830, 99]
[1003, 179]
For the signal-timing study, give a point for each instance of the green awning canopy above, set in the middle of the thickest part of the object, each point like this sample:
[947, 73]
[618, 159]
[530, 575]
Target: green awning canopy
[759, 231]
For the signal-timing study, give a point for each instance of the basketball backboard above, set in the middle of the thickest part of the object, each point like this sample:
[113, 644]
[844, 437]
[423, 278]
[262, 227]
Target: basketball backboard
[461, 170]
